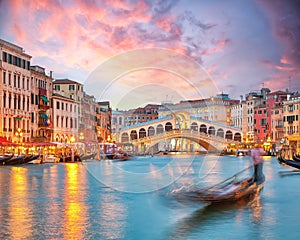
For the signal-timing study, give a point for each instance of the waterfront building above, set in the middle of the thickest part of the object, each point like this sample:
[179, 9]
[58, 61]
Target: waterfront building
[215, 109]
[15, 93]
[238, 116]
[65, 118]
[41, 111]
[141, 114]
[274, 118]
[88, 124]
[103, 119]
[117, 123]
[277, 133]
[254, 99]
[291, 122]
[74, 91]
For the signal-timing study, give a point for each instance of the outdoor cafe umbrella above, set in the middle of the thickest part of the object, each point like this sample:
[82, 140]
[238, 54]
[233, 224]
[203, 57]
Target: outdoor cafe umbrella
[4, 142]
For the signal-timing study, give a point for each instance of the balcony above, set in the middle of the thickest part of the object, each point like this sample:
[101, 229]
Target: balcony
[43, 107]
[280, 126]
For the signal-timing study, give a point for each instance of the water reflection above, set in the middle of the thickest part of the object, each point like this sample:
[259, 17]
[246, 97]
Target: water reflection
[19, 209]
[113, 217]
[214, 214]
[75, 220]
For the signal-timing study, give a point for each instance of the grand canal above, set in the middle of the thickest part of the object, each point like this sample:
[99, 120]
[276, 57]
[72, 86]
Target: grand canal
[131, 200]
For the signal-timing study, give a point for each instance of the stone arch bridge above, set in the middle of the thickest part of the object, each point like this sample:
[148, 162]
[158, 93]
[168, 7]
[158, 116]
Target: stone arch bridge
[213, 136]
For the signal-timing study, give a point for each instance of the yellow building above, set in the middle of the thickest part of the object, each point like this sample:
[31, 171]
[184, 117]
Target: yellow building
[291, 123]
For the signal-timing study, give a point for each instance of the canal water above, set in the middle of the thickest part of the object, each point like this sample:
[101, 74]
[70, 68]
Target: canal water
[133, 200]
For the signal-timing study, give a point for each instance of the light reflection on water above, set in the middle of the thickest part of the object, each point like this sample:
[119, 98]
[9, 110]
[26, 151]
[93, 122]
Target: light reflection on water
[65, 201]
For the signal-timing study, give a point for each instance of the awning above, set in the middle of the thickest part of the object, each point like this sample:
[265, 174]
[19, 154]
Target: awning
[44, 115]
[45, 99]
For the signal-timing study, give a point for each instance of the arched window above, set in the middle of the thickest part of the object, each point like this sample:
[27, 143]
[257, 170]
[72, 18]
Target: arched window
[220, 132]
[142, 133]
[194, 126]
[159, 129]
[168, 126]
[203, 128]
[237, 137]
[124, 137]
[211, 130]
[228, 135]
[133, 135]
[151, 131]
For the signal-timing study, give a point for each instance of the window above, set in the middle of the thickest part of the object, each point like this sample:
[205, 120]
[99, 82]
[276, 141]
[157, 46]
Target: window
[4, 77]
[9, 79]
[71, 87]
[57, 87]
[10, 58]
[57, 105]
[4, 56]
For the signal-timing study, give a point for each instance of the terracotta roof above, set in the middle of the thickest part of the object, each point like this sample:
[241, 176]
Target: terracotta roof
[65, 81]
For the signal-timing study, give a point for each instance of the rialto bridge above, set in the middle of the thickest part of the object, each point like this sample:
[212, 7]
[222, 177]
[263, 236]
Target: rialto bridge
[179, 132]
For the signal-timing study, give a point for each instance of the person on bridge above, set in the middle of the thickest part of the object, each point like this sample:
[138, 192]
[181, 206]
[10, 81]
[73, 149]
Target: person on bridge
[256, 154]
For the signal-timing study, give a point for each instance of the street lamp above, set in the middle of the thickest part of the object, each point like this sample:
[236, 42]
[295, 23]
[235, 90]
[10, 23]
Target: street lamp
[81, 137]
[72, 139]
[19, 135]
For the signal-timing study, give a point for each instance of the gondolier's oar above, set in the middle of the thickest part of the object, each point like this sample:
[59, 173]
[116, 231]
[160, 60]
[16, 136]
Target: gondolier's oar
[228, 178]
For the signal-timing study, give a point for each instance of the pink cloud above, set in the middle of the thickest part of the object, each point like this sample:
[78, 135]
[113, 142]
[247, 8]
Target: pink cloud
[218, 47]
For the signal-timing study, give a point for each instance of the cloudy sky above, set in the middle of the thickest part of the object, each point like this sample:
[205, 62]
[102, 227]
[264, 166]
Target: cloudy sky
[136, 52]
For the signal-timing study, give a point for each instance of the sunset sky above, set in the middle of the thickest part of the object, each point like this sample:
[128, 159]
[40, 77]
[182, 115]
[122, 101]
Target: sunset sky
[239, 45]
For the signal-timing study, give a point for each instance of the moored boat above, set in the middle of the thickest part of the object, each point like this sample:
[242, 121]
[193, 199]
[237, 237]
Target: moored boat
[87, 157]
[290, 163]
[5, 158]
[35, 159]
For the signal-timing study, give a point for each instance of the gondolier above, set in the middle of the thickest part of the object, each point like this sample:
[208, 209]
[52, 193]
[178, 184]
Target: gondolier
[256, 154]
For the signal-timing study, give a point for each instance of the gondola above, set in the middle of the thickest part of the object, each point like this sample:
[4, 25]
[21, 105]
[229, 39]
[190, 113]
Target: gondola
[5, 158]
[15, 160]
[230, 190]
[21, 159]
[296, 158]
[87, 157]
[290, 163]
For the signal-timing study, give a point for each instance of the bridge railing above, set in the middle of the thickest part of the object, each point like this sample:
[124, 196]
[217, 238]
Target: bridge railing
[180, 132]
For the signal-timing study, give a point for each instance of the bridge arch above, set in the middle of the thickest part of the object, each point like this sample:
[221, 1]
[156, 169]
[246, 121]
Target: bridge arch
[151, 131]
[182, 119]
[220, 133]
